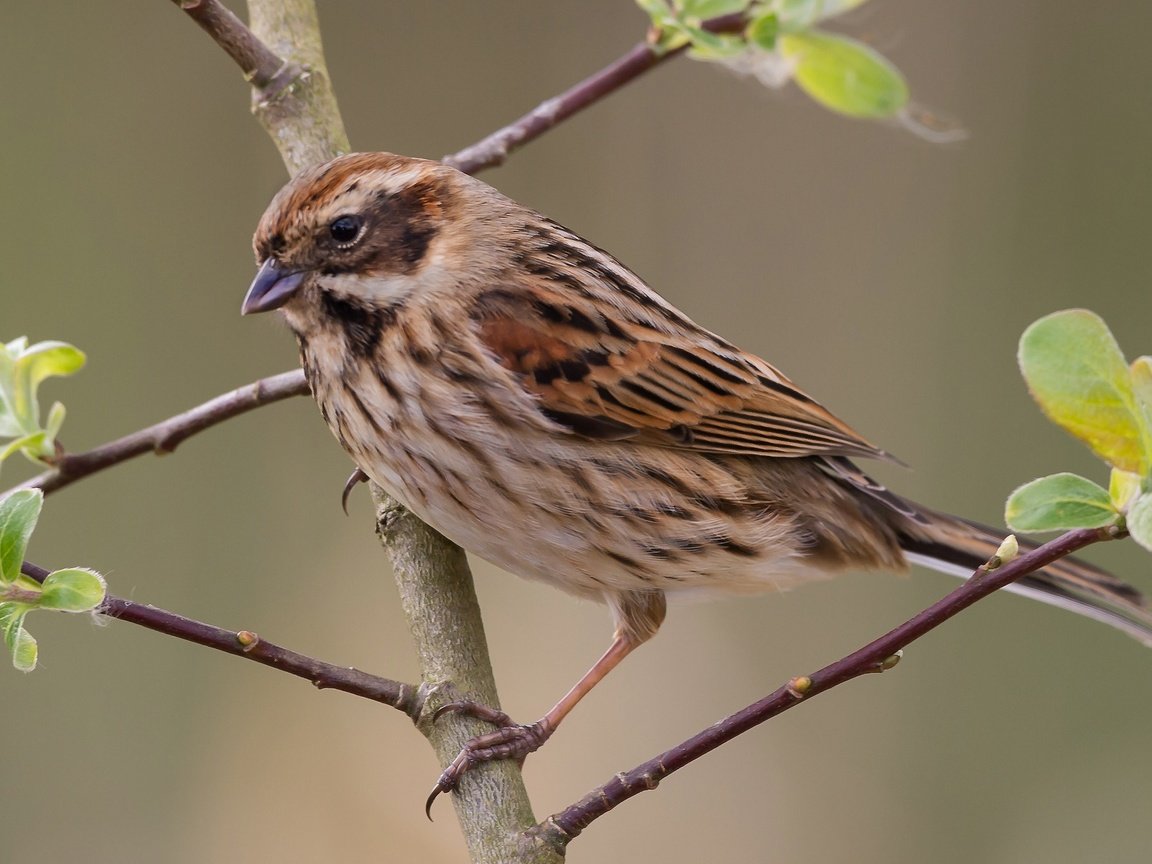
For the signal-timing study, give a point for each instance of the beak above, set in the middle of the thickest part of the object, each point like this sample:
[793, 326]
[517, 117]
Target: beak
[271, 288]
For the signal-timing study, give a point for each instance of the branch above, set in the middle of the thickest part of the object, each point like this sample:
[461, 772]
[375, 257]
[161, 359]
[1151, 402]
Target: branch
[261, 66]
[439, 601]
[246, 644]
[495, 149]
[165, 436]
[876, 656]
[304, 122]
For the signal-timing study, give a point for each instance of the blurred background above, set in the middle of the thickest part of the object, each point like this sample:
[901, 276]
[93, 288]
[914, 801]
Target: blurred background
[889, 276]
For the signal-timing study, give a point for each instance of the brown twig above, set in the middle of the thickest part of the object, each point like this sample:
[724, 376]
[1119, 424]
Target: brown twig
[562, 827]
[261, 66]
[495, 148]
[243, 643]
[163, 437]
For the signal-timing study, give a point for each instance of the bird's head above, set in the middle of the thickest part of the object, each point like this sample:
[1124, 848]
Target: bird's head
[368, 228]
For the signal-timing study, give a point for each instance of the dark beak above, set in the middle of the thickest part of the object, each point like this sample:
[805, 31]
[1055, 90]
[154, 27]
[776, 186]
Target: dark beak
[271, 288]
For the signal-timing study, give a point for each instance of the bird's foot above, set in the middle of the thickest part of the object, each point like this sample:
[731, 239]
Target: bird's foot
[509, 741]
[354, 478]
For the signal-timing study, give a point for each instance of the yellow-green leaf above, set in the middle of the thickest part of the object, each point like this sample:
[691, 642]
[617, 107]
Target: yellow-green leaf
[1076, 373]
[75, 589]
[1140, 521]
[844, 75]
[19, 641]
[1122, 488]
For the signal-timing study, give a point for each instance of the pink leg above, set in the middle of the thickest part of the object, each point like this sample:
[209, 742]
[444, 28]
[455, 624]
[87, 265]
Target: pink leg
[516, 741]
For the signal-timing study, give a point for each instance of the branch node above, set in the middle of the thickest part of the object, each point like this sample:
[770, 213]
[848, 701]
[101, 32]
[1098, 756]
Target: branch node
[247, 640]
[649, 779]
[280, 84]
[799, 686]
[890, 661]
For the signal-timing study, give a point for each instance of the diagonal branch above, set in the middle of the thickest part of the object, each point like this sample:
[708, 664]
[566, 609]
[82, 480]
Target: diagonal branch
[495, 148]
[163, 437]
[262, 67]
[244, 643]
[876, 656]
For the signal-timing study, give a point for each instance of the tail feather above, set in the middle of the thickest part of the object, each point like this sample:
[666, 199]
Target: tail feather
[957, 547]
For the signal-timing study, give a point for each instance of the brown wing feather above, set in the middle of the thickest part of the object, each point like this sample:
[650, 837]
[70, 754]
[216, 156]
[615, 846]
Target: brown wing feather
[631, 378]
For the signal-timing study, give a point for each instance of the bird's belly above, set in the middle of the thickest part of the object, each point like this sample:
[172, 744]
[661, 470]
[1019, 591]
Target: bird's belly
[593, 518]
[596, 519]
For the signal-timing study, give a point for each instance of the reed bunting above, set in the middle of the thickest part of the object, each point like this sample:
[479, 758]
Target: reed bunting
[532, 399]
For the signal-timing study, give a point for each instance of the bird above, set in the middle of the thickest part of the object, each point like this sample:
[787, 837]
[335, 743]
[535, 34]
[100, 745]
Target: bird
[502, 377]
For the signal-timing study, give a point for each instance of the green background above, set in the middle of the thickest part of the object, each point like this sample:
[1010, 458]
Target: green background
[888, 276]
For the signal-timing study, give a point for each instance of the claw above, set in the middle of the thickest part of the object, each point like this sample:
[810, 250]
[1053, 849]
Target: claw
[436, 790]
[355, 477]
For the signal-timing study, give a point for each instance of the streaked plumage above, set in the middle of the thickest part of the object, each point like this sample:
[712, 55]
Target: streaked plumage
[532, 399]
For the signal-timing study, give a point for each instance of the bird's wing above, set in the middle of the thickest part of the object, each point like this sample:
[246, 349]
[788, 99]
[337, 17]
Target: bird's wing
[653, 377]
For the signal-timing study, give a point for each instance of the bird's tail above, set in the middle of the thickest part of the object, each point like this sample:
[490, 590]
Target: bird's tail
[957, 547]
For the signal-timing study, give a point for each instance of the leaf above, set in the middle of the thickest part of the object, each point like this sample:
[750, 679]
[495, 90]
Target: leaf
[1141, 373]
[703, 9]
[19, 511]
[844, 75]
[1059, 502]
[763, 32]
[1077, 375]
[802, 14]
[713, 46]
[1122, 488]
[19, 641]
[1140, 521]
[74, 589]
[35, 364]
[33, 443]
[22, 369]
[51, 358]
[9, 422]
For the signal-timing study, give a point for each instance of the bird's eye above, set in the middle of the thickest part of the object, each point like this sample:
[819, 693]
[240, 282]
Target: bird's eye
[345, 230]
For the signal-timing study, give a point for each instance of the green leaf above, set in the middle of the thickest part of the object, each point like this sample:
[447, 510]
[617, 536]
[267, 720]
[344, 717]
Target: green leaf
[75, 589]
[713, 46]
[32, 444]
[22, 369]
[34, 364]
[9, 423]
[844, 75]
[763, 31]
[1141, 372]
[1122, 488]
[55, 420]
[1060, 502]
[801, 14]
[51, 358]
[19, 641]
[703, 9]
[19, 511]
[1140, 521]
[1076, 373]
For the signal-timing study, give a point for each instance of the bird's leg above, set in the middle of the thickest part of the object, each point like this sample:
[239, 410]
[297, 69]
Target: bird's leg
[516, 741]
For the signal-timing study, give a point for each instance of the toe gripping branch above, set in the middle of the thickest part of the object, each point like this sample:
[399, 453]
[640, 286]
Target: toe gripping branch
[509, 741]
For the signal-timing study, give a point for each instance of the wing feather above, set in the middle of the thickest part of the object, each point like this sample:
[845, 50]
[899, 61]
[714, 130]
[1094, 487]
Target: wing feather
[651, 375]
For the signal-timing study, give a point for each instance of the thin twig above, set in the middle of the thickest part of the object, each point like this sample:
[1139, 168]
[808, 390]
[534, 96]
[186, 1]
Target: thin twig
[562, 827]
[244, 643]
[495, 148]
[163, 437]
[261, 66]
